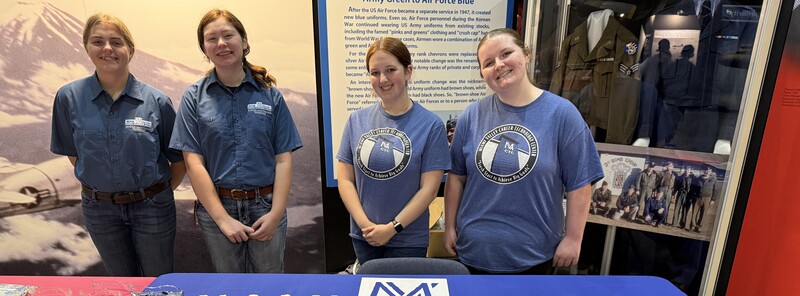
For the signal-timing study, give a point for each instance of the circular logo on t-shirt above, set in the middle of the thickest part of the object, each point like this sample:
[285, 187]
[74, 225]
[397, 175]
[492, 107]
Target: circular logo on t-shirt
[383, 153]
[507, 154]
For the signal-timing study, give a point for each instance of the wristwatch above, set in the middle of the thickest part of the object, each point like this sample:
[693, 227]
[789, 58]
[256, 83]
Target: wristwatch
[397, 226]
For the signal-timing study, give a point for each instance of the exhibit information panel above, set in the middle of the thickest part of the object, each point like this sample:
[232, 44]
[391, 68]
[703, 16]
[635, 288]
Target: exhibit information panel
[442, 36]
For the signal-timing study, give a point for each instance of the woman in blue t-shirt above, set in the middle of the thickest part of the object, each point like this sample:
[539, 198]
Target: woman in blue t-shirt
[391, 160]
[237, 137]
[514, 154]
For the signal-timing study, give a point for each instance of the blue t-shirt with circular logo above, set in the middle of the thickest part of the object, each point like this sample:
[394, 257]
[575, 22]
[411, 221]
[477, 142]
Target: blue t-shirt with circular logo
[389, 154]
[518, 162]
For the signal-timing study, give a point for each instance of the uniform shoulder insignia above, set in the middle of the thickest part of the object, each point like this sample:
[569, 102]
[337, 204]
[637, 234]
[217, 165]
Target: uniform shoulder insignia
[628, 71]
[631, 48]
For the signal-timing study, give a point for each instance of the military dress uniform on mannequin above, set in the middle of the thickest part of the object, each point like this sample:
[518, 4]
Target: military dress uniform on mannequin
[704, 117]
[601, 80]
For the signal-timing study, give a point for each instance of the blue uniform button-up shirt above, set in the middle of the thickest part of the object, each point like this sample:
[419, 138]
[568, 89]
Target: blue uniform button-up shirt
[237, 132]
[120, 145]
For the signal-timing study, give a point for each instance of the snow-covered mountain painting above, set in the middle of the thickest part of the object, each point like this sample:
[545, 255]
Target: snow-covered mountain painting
[41, 225]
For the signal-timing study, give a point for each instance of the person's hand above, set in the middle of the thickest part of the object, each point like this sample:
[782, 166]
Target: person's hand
[626, 209]
[712, 203]
[449, 241]
[369, 223]
[603, 204]
[567, 252]
[379, 234]
[234, 230]
[265, 227]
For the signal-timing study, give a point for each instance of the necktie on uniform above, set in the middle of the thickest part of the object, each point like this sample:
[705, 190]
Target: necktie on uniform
[381, 158]
[506, 158]
[705, 14]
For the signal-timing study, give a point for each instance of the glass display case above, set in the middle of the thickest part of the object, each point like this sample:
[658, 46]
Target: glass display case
[661, 84]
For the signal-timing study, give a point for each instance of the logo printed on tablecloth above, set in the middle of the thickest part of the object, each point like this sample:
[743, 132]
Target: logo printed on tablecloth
[403, 287]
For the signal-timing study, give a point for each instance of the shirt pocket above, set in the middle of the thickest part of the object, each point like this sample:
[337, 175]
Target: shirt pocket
[259, 129]
[577, 79]
[141, 146]
[602, 79]
[213, 129]
[92, 147]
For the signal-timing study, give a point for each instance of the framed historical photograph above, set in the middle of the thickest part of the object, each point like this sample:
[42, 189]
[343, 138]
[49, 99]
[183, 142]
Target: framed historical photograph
[666, 191]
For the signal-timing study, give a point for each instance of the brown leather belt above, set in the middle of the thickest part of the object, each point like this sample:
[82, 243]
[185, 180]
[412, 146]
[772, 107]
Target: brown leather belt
[245, 194]
[126, 197]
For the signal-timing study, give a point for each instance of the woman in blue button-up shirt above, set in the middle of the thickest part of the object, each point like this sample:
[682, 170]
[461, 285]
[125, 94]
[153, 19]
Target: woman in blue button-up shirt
[115, 131]
[237, 137]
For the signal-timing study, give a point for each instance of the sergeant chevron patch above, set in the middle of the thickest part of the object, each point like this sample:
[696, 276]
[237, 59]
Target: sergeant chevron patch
[628, 71]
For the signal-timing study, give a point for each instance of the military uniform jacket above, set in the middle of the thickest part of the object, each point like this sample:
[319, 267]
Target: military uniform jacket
[601, 196]
[718, 77]
[602, 83]
[666, 179]
[646, 182]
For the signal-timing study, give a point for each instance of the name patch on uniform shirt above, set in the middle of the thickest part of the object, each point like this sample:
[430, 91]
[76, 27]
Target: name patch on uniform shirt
[259, 108]
[740, 13]
[605, 59]
[138, 124]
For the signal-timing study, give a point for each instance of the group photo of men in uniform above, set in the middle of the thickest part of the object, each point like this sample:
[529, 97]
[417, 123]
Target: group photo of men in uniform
[664, 195]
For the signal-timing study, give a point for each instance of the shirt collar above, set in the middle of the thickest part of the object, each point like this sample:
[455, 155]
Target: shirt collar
[698, 6]
[132, 89]
[248, 78]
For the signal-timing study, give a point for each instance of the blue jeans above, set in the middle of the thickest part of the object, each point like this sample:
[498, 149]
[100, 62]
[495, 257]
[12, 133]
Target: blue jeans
[134, 239]
[252, 255]
[365, 251]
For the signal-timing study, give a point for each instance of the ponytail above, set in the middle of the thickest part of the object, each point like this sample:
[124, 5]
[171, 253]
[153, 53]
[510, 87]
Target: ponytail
[261, 74]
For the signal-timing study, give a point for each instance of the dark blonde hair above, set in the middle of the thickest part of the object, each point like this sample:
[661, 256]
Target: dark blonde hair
[514, 37]
[259, 73]
[102, 18]
[393, 46]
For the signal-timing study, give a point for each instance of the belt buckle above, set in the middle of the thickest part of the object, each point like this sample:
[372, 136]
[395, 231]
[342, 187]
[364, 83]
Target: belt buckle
[128, 194]
[235, 191]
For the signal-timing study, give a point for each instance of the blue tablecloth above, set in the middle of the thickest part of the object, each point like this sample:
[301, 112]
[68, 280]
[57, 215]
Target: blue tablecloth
[457, 285]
